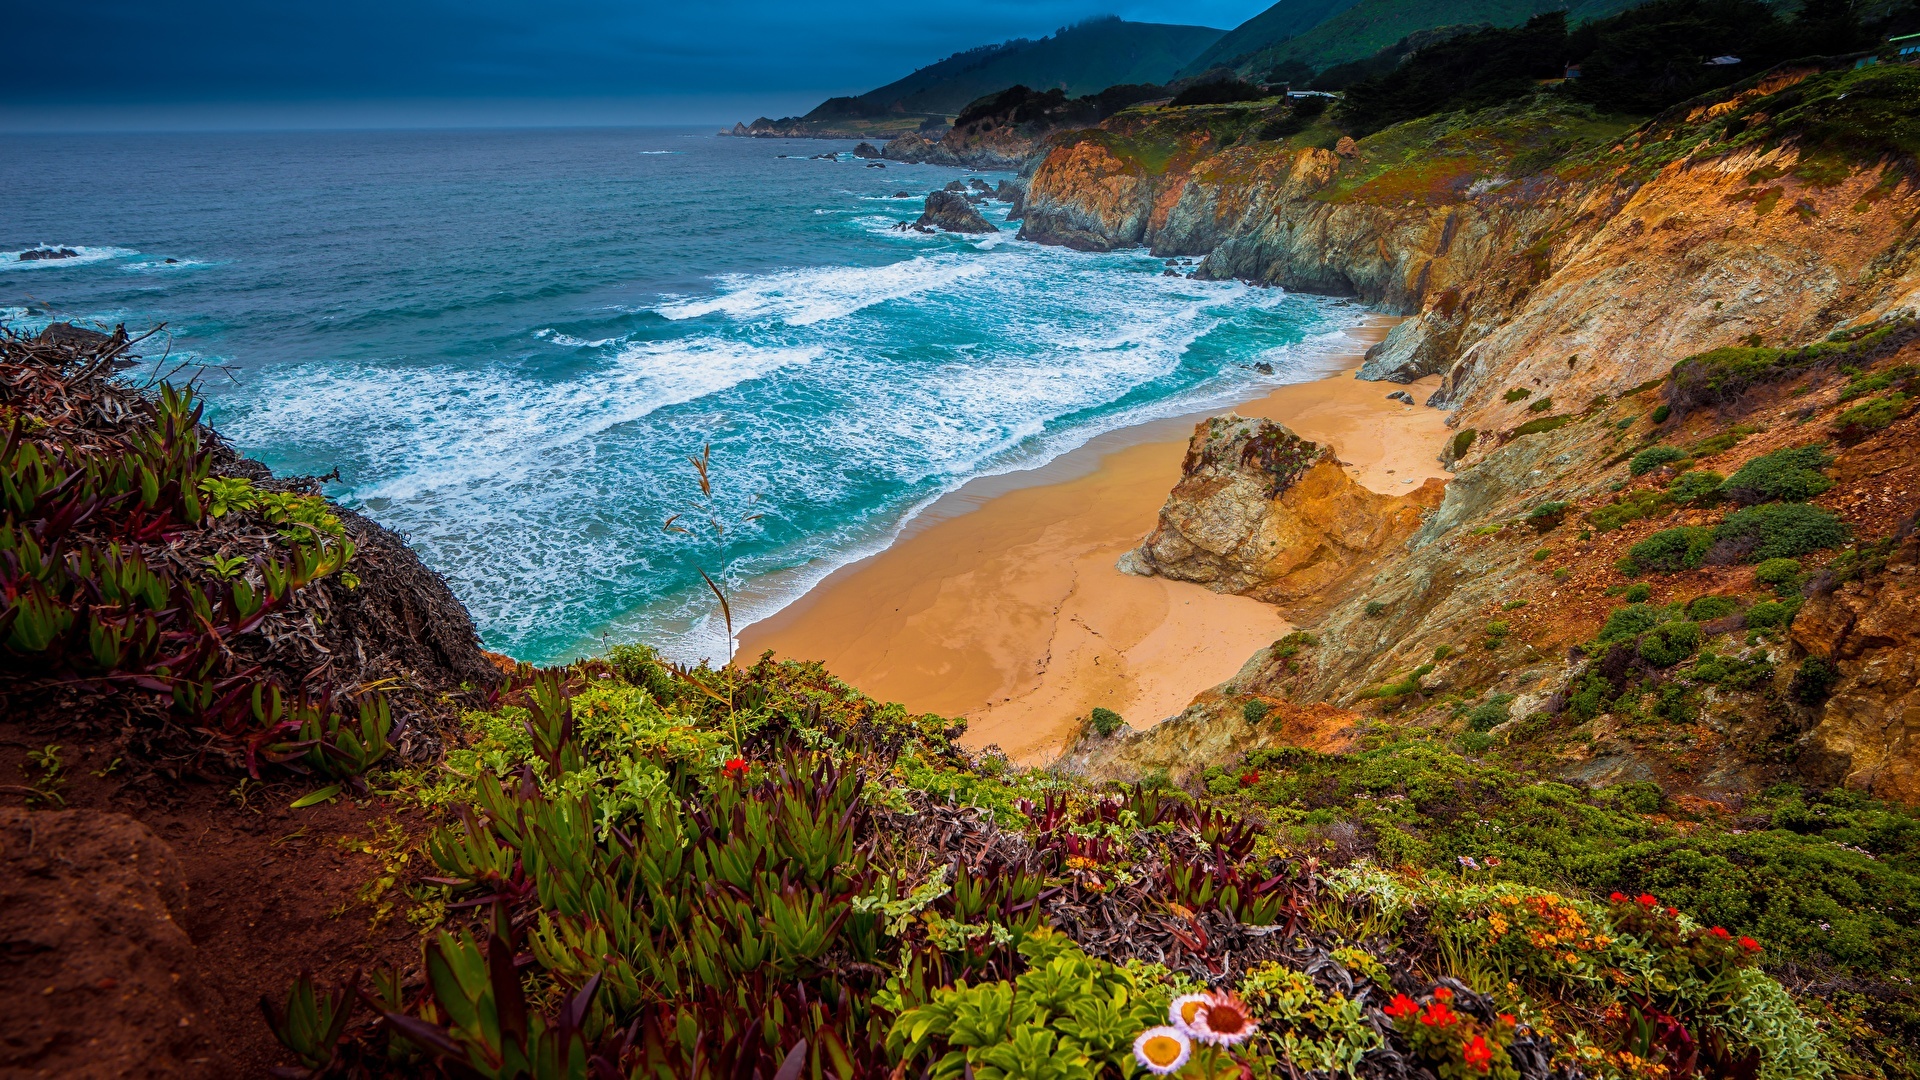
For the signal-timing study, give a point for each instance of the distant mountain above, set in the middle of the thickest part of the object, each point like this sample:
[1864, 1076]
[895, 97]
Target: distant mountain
[1353, 30]
[1283, 21]
[1082, 59]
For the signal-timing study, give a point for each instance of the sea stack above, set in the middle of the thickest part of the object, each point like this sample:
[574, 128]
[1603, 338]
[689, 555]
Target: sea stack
[950, 211]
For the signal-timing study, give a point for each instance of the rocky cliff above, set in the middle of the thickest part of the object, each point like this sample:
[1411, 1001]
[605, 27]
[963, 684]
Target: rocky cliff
[1535, 245]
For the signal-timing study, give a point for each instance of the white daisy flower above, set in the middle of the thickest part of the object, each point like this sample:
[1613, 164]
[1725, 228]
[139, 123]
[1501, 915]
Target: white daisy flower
[1185, 1011]
[1162, 1050]
[1224, 1021]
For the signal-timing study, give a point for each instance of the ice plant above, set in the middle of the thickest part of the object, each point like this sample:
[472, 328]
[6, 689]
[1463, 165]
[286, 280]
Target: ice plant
[1439, 1014]
[1185, 1011]
[1224, 1021]
[1162, 1050]
[1402, 1007]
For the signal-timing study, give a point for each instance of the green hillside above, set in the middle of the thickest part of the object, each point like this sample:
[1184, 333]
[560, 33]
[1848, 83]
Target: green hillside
[1371, 25]
[1081, 59]
[1282, 22]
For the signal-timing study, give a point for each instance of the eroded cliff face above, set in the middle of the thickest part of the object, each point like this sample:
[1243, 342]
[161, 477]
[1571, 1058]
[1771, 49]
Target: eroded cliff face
[1262, 512]
[1500, 597]
[1574, 281]
[1868, 734]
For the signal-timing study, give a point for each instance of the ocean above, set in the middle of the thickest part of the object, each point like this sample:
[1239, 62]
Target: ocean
[513, 345]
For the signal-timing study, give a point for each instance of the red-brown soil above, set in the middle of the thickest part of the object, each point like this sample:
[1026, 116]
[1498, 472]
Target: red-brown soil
[140, 925]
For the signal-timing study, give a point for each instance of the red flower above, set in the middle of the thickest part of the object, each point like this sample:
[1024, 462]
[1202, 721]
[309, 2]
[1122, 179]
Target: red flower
[1249, 779]
[734, 769]
[1749, 944]
[1719, 932]
[1647, 900]
[1508, 1019]
[1439, 1015]
[1478, 1054]
[1402, 1007]
[1441, 993]
[1673, 911]
[1618, 898]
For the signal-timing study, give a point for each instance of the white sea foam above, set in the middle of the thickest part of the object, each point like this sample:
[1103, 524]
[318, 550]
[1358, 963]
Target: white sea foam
[805, 297]
[162, 266]
[549, 334]
[443, 430]
[10, 260]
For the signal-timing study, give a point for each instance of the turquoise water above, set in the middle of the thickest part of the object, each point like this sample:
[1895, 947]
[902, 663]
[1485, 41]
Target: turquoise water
[510, 343]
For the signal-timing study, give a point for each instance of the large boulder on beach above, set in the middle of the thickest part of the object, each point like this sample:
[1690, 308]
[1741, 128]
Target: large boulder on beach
[1262, 512]
[952, 212]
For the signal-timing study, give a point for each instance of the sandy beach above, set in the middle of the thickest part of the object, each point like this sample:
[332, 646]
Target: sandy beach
[1002, 604]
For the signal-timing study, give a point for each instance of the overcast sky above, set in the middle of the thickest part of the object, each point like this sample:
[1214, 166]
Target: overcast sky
[147, 63]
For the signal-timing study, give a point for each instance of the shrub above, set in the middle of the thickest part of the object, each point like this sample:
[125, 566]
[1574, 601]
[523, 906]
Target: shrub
[1771, 613]
[1491, 713]
[1402, 687]
[1291, 645]
[1637, 593]
[1105, 721]
[1709, 608]
[1873, 414]
[1695, 485]
[1813, 682]
[1653, 457]
[1714, 444]
[1778, 531]
[1636, 504]
[1669, 643]
[1462, 442]
[1545, 423]
[1542, 555]
[1684, 548]
[1375, 609]
[1542, 405]
[1441, 652]
[1255, 712]
[1661, 412]
[1518, 393]
[1630, 621]
[1548, 515]
[1777, 571]
[1789, 475]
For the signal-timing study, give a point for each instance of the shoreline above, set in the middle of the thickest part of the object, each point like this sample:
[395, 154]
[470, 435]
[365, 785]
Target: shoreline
[1001, 601]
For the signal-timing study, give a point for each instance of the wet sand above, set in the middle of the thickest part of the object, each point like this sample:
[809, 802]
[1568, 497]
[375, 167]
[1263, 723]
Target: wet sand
[1002, 604]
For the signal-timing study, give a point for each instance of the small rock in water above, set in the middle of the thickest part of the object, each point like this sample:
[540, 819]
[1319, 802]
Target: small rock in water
[957, 185]
[1169, 272]
[903, 194]
[43, 254]
[1263, 367]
